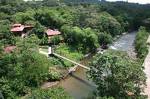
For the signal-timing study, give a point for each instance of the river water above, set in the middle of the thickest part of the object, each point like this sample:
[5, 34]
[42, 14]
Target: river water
[77, 84]
[125, 42]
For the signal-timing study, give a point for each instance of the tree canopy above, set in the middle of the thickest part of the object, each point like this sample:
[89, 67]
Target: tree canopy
[85, 25]
[116, 75]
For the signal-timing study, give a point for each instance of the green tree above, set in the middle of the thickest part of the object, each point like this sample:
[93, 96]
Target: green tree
[50, 18]
[104, 38]
[109, 24]
[5, 35]
[40, 32]
[116, 75]
[85, 39]
[90, 39]
[140, 42]
[53, 93]
[23, 69]
[22, 17]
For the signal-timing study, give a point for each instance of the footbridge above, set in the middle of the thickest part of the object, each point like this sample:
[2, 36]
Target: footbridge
[65, 58]
[85, 67]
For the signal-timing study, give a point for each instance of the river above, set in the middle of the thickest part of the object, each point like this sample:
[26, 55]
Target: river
[77, 84]
[125, 42]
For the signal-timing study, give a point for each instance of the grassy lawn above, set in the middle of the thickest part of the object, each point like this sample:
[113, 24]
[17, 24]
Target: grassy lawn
[66, 51]
[70, 53]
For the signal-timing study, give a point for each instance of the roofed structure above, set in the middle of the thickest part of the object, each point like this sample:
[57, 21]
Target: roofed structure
[17, 28]
[50, 32]
[21, 30]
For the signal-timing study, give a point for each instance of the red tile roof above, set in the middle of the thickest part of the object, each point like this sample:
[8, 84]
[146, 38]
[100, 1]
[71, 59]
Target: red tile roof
[9, 49]
[16, 25]
[17, 28]
[50, 32]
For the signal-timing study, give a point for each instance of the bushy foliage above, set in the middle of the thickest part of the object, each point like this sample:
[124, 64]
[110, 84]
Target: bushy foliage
[54, 74]
[53, 93]
[22, 69]
[25, 67]
[110, 24]
[56, 39]
[116, 75]
[50, 18]
[6, 36]
[85, 39]
[23, 17]
[104, 38]
[140, 42]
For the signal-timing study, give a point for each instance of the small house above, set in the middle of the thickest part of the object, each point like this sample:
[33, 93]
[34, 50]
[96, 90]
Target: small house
[20, 30]
[51, 33]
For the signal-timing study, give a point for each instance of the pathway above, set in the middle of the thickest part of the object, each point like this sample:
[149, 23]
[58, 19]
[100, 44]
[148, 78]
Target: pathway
[72, 69]
[85, 67]
[147, 72]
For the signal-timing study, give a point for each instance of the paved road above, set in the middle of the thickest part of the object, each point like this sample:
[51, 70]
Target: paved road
[147, 72]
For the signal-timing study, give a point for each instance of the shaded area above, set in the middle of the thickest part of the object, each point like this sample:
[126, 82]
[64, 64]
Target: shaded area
[82, 80]
[78, 85]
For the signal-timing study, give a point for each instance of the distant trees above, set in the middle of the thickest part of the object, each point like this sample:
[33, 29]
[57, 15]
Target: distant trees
[104, 22]
[133, 13]
[81, 1]
[146, 23]
[50, 2]
[12, 6]
[109, 24]
[49, 18]
[23, 18]
[116, 75]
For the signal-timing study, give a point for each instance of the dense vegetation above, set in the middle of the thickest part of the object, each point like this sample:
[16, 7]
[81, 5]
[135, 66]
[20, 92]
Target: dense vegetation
[140, 42]
[118, 76]
[23, 69]
[52, 93]
[85, 26]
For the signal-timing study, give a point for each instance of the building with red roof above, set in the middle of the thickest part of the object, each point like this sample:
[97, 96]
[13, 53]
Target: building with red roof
[20, 30]
[17, 28]
[50, 32]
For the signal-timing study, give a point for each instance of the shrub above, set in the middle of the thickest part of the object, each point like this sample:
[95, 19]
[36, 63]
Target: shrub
[140, 43]
[53, 93]
[104, 38]
[55, 39]
[85, 39]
